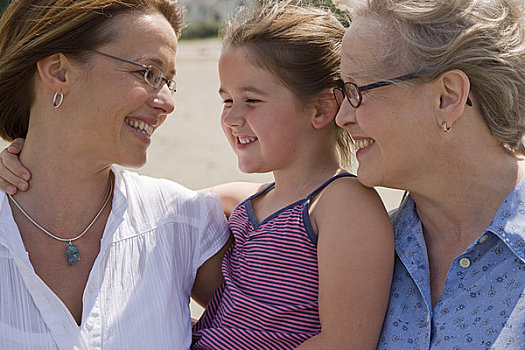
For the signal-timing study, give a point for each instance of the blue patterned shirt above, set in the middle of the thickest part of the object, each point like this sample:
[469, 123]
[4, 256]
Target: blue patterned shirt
[483, 303]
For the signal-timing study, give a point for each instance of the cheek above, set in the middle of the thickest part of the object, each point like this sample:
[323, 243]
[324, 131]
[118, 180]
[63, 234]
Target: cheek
[162, 119]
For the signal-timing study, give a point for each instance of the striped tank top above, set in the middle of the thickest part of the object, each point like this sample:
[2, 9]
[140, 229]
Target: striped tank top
[270, 296]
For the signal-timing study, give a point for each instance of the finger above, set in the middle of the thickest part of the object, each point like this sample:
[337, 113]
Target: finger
[7, 188]
[11, 163]
[16, 146]
[8, 178]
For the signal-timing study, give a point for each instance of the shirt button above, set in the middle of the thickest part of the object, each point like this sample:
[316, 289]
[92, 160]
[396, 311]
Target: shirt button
[483, 238]
[91, 288]
[464, 263]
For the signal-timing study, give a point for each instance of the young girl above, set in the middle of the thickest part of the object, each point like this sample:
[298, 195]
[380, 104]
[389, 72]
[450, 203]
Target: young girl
[312, 260]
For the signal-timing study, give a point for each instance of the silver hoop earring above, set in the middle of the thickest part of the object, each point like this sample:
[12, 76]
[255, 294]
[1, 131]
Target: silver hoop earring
[60, 99]
[445, 127]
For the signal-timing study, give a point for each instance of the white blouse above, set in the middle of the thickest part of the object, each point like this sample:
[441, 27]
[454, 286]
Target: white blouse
[137, 294]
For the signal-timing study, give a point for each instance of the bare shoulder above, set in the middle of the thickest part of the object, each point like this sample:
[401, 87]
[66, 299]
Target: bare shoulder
[356, 256]
[353, 207]
[348, 193]
[232, 193]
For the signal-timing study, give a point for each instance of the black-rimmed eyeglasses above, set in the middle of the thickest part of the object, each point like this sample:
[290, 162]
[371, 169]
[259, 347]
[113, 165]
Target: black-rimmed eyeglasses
[152, 74]
[354, 93]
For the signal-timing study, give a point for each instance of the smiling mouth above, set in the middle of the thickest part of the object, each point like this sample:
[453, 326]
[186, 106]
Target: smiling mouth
[246, 140]
[141, 126]
[360, 144]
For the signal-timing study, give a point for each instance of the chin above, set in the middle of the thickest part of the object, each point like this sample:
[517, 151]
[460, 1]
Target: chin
[249, 168]
[135, 163]
[367, 179]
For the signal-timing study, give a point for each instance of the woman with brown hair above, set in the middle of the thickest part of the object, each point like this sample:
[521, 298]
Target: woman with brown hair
[91, 256]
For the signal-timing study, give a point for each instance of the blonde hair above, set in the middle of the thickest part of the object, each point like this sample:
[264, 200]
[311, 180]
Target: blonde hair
[300, 44]
[31, 30]
[483, 38]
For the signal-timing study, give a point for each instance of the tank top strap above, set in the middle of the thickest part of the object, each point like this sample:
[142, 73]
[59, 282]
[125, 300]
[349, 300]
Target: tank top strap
[266, 188]
[306, 206]
[326, 183]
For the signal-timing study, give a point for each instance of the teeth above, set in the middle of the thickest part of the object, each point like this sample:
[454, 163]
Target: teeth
[140, 126]
[247, 140]
[360, 144]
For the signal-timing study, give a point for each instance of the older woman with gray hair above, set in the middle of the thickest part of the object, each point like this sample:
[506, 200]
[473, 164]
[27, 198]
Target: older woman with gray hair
[434, 97]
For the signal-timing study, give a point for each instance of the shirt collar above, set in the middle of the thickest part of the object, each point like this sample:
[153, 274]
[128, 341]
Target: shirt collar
[9, 234]
[509, 222]
[406, 222]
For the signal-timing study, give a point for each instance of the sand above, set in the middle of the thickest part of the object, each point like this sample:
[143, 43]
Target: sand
[190, 147]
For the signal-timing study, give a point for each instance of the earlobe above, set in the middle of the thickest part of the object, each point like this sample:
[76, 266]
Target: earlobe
[326, 109]
[454, 88]
[53, 71]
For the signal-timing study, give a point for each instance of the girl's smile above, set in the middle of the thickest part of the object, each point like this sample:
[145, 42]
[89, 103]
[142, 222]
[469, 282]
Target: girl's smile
[261, 116]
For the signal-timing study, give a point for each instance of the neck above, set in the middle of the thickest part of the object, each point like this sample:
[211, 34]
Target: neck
[297, 182]
[459, 202]
[66, 189]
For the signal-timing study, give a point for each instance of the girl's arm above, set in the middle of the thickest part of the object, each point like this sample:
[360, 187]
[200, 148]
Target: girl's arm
[233, 193]
[209, 277]
[356, 256]
[13, 176]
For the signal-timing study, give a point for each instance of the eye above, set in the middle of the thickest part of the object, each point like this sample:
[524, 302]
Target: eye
[142, 73]
[154, 76]
[252, 100]
[227, 101]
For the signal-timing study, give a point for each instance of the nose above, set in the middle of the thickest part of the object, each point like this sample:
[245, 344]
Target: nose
[346, 115]
[163, 100]
[232, 118]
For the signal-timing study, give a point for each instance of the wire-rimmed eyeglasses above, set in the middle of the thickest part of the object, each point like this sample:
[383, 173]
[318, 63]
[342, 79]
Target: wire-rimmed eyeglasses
[354, 93]
[153, 75]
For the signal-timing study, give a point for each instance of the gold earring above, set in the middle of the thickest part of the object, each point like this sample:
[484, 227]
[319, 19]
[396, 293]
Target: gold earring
[445, 127]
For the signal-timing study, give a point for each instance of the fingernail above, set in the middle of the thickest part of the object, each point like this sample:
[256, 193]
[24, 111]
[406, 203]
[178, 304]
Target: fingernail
[23, 186]
[25, 176]
[11, 189]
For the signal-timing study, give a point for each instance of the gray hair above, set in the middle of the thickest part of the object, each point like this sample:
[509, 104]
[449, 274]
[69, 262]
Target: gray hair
[483, 38]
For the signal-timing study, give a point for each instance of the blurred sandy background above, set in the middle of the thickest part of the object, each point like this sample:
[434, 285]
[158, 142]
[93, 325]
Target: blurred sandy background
[190, 147]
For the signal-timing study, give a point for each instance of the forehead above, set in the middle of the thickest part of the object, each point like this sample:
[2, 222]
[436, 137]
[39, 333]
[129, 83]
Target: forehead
[144, 34]
[364, 43]
[237, 63]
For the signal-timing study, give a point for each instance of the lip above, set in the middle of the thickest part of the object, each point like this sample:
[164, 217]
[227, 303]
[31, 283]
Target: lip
[150, 125]
[363, 144]
[243, 141]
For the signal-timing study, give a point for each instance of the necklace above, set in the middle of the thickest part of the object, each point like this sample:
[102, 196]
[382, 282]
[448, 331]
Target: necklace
[72, 252]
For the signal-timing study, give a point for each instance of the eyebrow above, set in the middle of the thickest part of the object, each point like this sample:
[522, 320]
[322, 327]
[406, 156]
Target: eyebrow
[247, 89]
[157, 62]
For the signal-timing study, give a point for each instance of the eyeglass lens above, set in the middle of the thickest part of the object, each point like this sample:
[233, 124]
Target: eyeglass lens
[351, 92]
[154, 76]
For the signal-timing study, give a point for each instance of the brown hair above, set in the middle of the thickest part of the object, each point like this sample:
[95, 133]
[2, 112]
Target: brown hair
[300, 44]
[484, 39]
[31, 30]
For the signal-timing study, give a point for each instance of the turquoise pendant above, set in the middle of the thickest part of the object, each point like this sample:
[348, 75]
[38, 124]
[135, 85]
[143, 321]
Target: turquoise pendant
[72, 254]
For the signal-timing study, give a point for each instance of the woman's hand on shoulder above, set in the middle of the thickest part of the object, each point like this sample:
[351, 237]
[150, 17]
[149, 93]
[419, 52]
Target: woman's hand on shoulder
[232, 193]
[356, 257]
[13, 176]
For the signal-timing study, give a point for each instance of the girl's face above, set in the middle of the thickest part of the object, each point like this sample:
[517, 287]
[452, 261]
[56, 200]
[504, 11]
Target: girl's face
[261, 118]
[120, 110]
[390, 127]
